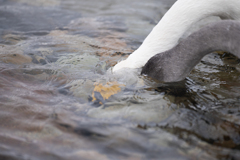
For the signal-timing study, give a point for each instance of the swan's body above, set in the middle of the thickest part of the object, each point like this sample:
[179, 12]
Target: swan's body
[175, 23]
[175, 64]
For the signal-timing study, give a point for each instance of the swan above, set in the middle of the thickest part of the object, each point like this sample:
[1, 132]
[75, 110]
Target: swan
[175, 64]
[179, 18]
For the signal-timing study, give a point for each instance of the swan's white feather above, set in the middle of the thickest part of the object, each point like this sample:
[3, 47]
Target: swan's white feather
[175, 23]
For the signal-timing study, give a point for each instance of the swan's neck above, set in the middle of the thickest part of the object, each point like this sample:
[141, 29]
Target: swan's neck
[175, 64]
[175, 23]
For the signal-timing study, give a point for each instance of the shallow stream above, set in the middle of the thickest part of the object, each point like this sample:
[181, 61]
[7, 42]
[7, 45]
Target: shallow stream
[59, 101]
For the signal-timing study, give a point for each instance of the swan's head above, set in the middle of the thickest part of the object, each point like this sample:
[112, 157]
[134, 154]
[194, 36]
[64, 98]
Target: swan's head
[121, 65]
[134, 61]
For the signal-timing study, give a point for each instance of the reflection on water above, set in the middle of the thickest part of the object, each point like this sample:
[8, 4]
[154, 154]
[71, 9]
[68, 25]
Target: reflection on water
[58, 99]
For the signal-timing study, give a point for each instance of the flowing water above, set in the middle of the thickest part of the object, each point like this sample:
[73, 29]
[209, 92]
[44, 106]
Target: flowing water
[59, 101]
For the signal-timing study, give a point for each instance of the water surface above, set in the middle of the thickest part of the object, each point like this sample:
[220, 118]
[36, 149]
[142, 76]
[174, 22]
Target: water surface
[59, 101]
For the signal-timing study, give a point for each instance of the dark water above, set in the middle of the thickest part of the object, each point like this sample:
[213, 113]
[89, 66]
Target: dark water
[58, 101]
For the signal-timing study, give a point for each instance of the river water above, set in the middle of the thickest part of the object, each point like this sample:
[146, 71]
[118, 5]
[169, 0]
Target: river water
[59, 101]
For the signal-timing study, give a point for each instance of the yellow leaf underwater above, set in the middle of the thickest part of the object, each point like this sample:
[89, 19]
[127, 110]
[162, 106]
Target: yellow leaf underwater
[106, 90]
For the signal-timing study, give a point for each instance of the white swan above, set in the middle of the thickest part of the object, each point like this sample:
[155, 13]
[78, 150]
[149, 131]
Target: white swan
[175, 23]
